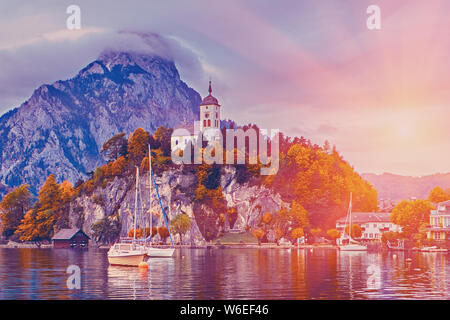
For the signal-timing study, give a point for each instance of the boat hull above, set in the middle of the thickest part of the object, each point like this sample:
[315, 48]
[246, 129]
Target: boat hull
[160, 252]
[353, 247]
[126, 260]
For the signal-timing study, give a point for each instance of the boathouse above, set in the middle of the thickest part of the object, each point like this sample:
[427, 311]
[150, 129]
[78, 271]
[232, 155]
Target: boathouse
[70, 238]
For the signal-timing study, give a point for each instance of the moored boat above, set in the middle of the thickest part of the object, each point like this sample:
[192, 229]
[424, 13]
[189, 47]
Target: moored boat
[352, 245]
[433, 249]
[156, 252]
[128, 252]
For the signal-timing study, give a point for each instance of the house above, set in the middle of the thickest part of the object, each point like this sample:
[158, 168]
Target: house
[70, 238]
[439, 228]
[373, 224]
[209, 124]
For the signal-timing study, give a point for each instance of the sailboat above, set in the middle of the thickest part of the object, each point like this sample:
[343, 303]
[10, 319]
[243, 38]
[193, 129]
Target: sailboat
[150, 250]
[127, 251]
[352, 245]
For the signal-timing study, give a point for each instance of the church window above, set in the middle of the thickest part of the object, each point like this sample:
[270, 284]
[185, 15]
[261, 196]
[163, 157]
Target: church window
[209, 123]
[204, 123]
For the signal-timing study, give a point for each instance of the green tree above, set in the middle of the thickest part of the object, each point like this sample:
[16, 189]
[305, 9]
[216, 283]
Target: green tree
[181, 224]
[115, 146]
[163, 140]
[13, 208]
[106, 230]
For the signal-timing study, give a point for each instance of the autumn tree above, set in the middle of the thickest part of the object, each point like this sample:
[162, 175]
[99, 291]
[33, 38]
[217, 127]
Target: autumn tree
[320, 181]
[277, 234]
[66, 193]
[333, 234]
[28, 230]
[438, 195]
[38, 223]
[411, 214]
[115, 146]
[13, 208]
[258, 234]
[163, 233]
[138, 145]
[299, 215]
[315, 232]
[267, 218]
[390, 236]
[297, 233]
[181, 224]
[356, 231]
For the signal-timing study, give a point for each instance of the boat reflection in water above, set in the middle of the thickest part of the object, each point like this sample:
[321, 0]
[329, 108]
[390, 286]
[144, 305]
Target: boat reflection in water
[153, 282]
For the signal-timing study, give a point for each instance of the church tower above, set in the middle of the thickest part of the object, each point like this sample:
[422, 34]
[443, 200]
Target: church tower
[209, 112]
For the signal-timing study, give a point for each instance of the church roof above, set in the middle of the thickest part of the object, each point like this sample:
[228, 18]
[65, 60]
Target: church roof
[181, 130]
[210, 100]
[365, 217]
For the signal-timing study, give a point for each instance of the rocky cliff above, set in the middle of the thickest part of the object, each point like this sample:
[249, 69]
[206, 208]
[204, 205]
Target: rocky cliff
[62, 127]
[250, 201]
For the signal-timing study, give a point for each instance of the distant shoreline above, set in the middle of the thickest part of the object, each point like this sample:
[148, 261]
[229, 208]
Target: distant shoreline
[208, 246]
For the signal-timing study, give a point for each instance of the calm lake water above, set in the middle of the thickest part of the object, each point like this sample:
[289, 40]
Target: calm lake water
[227, 274]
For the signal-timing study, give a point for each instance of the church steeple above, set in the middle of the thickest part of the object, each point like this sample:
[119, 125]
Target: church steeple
[209, 111]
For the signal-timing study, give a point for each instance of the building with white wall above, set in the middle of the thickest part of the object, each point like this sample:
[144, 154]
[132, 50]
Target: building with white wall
[440, 222]
[209, 124]
[373, 224]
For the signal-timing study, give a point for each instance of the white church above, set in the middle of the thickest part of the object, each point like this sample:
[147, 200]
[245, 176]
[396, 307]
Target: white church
[209, 124]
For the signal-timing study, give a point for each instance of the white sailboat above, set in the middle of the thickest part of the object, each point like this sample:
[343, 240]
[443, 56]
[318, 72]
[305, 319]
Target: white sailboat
[153, 252]
[127, 251]
[352, 245]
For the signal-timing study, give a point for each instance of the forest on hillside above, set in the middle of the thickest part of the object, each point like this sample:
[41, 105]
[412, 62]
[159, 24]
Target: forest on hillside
[314, 180]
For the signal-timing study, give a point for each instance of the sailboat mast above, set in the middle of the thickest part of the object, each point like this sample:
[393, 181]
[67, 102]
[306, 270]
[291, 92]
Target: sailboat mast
[136, 202]
[150, 195]
[350, 217]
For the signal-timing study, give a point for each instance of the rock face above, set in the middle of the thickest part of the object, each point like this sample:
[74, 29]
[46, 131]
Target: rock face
[250, 202]
[62, 127]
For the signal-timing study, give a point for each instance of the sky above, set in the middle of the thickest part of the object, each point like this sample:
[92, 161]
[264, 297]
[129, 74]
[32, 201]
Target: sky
[309, 68]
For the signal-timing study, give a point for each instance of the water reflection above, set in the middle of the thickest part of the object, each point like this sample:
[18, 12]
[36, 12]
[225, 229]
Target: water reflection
[227, 274]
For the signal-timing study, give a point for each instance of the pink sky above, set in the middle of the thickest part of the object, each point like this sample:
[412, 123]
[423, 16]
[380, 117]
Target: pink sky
[309, 68]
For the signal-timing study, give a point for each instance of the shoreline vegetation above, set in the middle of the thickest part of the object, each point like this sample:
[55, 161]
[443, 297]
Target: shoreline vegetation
[312, 187]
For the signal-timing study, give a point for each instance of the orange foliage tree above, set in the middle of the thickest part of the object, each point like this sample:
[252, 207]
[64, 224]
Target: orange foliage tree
[138, 145]
[258, 234]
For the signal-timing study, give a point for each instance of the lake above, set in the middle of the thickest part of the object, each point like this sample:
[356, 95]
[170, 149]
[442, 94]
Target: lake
[227, 274]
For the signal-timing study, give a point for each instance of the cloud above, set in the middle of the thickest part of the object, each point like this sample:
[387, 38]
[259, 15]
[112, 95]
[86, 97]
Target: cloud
[53, 56]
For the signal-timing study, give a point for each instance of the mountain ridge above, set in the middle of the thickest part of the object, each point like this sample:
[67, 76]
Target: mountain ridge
[398, 187]
[61, 128]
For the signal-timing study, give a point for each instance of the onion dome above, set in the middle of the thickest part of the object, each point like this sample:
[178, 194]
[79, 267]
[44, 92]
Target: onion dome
[210, 100]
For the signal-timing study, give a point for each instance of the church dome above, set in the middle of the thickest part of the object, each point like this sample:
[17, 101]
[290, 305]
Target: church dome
[210, 100]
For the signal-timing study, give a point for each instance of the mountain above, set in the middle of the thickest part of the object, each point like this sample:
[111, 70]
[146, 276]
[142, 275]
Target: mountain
[397, 187]
[62, 127]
